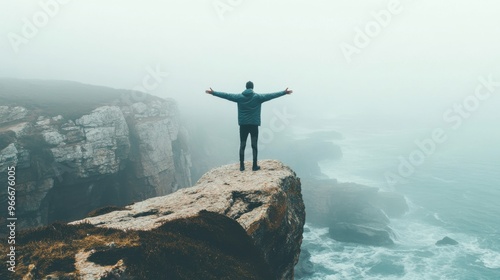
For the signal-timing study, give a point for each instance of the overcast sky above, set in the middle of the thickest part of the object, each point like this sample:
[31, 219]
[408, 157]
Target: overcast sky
[421, 59]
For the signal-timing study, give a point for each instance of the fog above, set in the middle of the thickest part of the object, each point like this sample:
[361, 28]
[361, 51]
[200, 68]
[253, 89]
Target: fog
[427, 57]
[385, 63]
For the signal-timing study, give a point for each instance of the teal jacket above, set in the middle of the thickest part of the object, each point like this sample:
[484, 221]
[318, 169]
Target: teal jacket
[249, 104]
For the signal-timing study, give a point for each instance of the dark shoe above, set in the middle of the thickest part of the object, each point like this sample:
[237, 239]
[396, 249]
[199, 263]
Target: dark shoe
[255, 168]
[242, 167]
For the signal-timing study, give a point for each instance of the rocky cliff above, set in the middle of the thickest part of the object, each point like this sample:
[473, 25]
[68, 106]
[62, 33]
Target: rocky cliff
[190, 234]
[77, 147]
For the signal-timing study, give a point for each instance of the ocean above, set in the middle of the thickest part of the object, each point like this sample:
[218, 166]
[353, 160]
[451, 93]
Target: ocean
[453, 191]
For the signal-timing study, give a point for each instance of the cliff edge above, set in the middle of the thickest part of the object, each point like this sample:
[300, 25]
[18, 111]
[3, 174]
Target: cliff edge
[200, 224]
[78, 147]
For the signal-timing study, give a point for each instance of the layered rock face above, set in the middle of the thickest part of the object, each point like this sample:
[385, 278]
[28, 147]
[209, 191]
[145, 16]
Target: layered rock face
[115, 153]
[184, 231]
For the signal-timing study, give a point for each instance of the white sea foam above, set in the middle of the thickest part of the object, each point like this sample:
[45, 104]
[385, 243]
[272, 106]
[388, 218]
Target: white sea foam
[415, 252]
[420, 228]
[488, 258]
[491, 259]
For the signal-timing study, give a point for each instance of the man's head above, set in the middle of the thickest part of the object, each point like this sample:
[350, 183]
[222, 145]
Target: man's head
[249, 85]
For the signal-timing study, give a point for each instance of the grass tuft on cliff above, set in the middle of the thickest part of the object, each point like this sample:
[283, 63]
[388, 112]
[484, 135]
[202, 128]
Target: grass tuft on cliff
[207, 246]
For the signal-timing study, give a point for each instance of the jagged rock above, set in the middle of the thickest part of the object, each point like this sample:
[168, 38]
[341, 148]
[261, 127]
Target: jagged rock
[446, 241]
[72, 133]
[8, 157]
[8, 114]
[53, 137]
[267, 204]
[106, 143]
[93, 148]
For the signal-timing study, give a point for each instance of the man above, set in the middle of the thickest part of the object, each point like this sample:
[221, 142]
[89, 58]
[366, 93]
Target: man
[249, 105]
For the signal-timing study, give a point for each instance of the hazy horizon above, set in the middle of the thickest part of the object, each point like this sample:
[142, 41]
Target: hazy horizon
[428, 57]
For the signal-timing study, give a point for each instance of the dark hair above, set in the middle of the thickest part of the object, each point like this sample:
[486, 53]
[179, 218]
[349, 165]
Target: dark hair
[249, 85]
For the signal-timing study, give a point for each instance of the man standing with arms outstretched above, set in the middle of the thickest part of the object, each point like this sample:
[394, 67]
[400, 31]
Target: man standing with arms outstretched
[249, 107]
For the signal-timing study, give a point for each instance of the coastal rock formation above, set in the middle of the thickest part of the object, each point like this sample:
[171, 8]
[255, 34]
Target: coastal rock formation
[76, 148]
[353, 212]
[378, 235]
[267, 205]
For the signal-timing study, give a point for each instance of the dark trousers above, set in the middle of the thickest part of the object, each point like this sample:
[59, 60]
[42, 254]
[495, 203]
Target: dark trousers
[253, 130]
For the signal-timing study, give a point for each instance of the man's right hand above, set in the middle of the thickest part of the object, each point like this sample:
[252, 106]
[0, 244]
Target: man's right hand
[288, 91]
[209, 91]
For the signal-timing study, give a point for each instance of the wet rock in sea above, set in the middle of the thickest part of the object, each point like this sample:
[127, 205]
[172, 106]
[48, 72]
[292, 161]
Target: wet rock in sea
[446, 241]
[362, 234]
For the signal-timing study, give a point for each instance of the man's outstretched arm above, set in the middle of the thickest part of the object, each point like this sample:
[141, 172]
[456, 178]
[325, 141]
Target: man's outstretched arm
[228, 96]
[269, 96]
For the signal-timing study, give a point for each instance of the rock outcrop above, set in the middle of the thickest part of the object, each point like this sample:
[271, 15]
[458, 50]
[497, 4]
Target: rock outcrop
[101, 147]
[446, 241]
[267, 205]
[353, 212]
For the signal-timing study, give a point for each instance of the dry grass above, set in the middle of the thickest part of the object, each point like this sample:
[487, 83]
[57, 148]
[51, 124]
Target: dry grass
[52, 249]
[209, 246]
